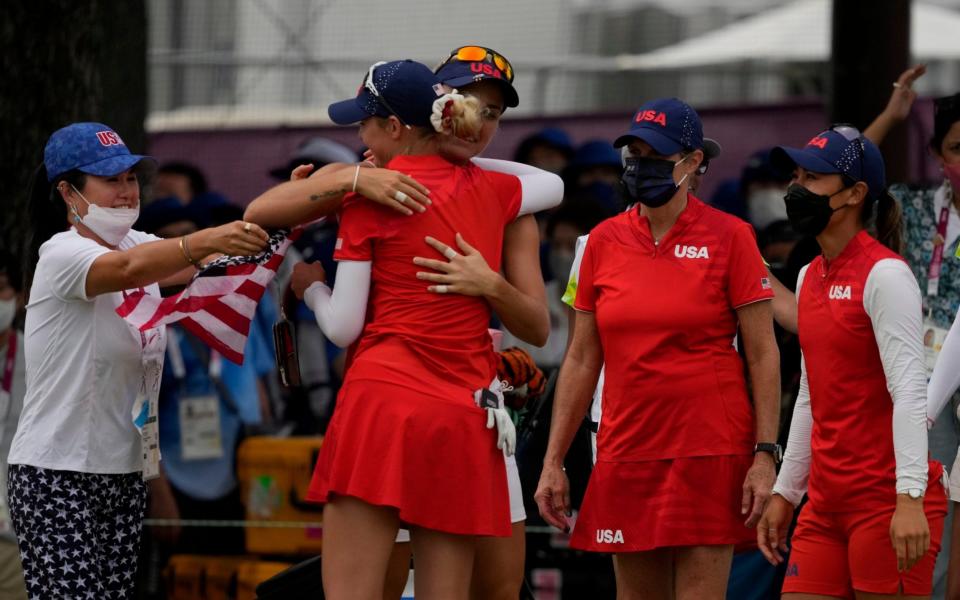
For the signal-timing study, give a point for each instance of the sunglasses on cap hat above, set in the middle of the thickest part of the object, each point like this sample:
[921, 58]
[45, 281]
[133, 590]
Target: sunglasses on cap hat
[372, 88]
[481, 54]
[851, 133]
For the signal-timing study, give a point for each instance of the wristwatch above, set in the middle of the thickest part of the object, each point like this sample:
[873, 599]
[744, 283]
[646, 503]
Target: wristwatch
[914, 493]
[773, 449]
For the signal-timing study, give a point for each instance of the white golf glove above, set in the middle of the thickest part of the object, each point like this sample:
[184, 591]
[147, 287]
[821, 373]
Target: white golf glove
[498, 416]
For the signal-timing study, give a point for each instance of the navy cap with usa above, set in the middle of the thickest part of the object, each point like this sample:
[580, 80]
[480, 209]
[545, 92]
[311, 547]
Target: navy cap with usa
[669, 125]
[458, 71]
[842, 150]
[91, 148]
[405, 89]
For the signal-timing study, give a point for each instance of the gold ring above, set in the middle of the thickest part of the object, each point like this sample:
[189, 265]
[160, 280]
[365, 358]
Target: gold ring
[247, 227]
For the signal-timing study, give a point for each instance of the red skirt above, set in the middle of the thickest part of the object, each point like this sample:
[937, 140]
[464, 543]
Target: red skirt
[418, 450]
[638, 506]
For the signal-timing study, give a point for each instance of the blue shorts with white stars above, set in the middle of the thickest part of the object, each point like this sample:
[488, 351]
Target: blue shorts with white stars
[79, 533]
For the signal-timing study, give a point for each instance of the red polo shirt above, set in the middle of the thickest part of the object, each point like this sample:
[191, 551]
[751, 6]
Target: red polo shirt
[666, 315]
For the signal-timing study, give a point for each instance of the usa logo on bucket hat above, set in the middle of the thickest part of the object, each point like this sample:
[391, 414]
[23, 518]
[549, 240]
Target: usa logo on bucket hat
[91, 148]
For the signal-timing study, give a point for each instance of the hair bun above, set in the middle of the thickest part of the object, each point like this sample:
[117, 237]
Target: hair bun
[442, 116]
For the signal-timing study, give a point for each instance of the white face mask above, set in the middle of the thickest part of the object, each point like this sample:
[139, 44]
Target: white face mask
[111, 224]
[766, 205]
[8, 310]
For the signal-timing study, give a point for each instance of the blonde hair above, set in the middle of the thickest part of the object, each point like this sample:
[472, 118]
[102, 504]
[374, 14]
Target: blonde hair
[457, 115]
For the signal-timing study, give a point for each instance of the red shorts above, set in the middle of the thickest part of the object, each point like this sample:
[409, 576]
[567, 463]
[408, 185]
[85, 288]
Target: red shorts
[835, 553]
[638, 506]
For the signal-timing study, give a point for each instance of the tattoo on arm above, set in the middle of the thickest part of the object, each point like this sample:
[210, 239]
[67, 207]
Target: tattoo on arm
[327, 194]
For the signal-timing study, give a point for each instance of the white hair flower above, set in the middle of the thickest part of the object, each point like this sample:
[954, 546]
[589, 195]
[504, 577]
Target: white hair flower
[440, 118]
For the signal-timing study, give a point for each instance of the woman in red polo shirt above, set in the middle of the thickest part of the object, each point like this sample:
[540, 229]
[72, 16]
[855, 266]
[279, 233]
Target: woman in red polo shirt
[876, 507]
[684, 464]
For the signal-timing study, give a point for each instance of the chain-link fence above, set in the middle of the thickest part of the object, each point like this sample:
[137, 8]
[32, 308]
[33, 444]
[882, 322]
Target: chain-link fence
[281, 62]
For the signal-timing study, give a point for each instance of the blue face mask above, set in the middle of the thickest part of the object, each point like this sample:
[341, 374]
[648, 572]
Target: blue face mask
[649, 181]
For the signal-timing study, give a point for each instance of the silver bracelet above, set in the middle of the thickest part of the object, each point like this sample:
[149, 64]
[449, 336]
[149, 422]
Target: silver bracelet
[356, 176]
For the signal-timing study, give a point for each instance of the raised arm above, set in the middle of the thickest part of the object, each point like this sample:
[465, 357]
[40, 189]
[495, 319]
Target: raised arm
[898, 107]
[149, 263]
[541, 189]
[305, 200]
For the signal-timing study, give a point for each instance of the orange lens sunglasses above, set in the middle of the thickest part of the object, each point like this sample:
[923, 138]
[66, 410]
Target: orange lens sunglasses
[479, 54]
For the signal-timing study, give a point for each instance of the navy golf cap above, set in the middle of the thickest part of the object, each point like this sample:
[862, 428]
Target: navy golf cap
[669, 125]
[841, 149]
[458, 74]
[404, 88]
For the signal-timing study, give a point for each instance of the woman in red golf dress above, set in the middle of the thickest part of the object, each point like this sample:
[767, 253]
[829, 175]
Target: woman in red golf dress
[408, 442]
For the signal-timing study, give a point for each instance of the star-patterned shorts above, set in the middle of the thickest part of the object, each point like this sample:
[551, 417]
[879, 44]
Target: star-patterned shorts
[79, 533]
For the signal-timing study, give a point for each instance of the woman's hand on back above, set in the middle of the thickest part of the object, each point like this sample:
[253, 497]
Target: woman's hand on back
[467, 273]
[393, 189]
[390, 188]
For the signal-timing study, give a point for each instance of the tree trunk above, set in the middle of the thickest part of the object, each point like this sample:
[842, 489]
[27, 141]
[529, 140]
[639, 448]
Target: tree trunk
[65, 61]
[871, 47]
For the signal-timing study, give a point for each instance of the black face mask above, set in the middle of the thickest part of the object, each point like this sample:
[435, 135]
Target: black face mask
[649, 181]
[809, 213]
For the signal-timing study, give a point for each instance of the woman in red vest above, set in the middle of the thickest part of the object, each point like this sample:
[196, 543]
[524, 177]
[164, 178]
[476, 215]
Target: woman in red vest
[876, 505]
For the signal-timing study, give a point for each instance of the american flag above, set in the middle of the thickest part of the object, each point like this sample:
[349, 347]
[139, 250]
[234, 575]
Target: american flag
[219, 303]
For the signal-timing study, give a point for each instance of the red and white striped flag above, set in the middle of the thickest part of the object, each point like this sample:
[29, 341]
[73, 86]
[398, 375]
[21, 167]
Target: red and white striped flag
[219, 303]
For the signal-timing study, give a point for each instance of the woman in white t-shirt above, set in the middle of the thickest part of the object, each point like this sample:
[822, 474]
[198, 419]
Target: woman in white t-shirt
[86, 439]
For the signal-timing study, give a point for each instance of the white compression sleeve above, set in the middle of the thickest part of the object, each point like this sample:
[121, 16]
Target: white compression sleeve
[946, 375]
[892, 299]
[341, 312]
[541, 189]
[795, 471]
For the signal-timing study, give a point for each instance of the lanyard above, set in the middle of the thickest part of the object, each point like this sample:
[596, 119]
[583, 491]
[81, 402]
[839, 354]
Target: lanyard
[214, 368]
[936, 261]
[11, 359]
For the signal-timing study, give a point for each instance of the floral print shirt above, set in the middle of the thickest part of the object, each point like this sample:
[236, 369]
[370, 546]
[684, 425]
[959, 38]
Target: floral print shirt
[921, 213]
